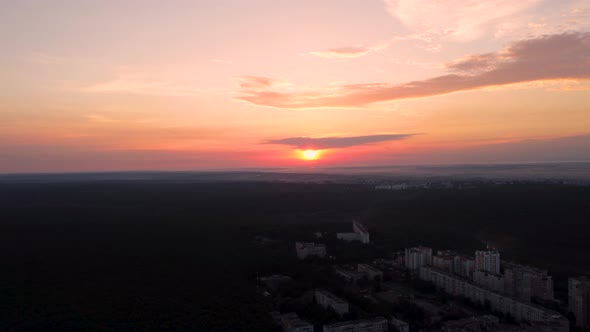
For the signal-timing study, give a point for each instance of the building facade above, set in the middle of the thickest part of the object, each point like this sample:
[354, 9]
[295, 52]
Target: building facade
[488, 260]
[378, 324]
[360, 233]
[292, 323]
[521, 311]
[443, 262]
[329, 300]
[369, 271]
[463, 266]
[306, 249]
[471, 324]
[417, 257]
[489, 280]
[399, 325]
[349, 276]
[579, 300]
[525, 282]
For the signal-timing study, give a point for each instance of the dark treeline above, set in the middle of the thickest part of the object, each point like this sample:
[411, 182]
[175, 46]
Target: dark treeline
[144, 255]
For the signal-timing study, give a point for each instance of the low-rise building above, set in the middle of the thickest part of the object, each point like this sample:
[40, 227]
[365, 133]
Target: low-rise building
[378, 324]
[348, 236]
[433, 312]
[399, 325]
[329, 300]
[306, 249]
[369, 271]
[557, 325]
[399, 186]
[349, 276]
[471, 324]
[560, 325]
[276, 317]
[276, 281]
[292, 323]
[359, 233]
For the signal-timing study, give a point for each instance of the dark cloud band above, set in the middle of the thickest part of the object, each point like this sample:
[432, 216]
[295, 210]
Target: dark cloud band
[335, 142]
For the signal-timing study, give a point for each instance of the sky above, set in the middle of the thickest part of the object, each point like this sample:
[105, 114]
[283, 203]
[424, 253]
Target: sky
[227, 84]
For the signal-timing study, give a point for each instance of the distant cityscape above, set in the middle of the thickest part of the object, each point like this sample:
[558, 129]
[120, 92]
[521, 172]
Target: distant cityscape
[448, 291]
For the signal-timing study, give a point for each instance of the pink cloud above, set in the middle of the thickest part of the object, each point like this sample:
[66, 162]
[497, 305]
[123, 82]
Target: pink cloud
[553, 57]
[355, 51]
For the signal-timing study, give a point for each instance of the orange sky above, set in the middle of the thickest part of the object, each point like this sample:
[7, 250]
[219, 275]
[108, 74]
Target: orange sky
[221, 84]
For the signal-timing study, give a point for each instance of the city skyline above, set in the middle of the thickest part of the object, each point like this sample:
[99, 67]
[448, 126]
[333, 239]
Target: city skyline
[184, 85]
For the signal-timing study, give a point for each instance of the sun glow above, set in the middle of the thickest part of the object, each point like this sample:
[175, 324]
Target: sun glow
[310, 154]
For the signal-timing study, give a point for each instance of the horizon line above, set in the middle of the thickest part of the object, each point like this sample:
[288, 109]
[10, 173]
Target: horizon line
[279, 169]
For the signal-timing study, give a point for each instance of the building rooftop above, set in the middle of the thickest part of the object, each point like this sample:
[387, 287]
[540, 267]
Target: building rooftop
[292, 319]
[532, 269]
[418, 249]
[552, 313]
[303, 245]
[465, 257]
[331, 296]
[347, 272]
[370, 268]
[497, 275]
[444, 256]
[471, 320]
[360, 227]
[358, 321]
[396, 321]
[581, 278]
[489, 251]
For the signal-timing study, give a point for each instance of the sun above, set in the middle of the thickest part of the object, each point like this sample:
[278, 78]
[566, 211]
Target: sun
[310, 154]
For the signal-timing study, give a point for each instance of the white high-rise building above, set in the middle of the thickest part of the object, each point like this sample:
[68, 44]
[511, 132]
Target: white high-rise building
[579, 300]
[526, 282]
[488, 260]
[464, 266]
[520, 310]
[418, 257]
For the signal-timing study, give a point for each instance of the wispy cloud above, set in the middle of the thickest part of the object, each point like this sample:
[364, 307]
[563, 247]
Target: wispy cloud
[348, 52]
[456, 20]
[431, 23]
[257, 82]
[553, 57]
[320, 143]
